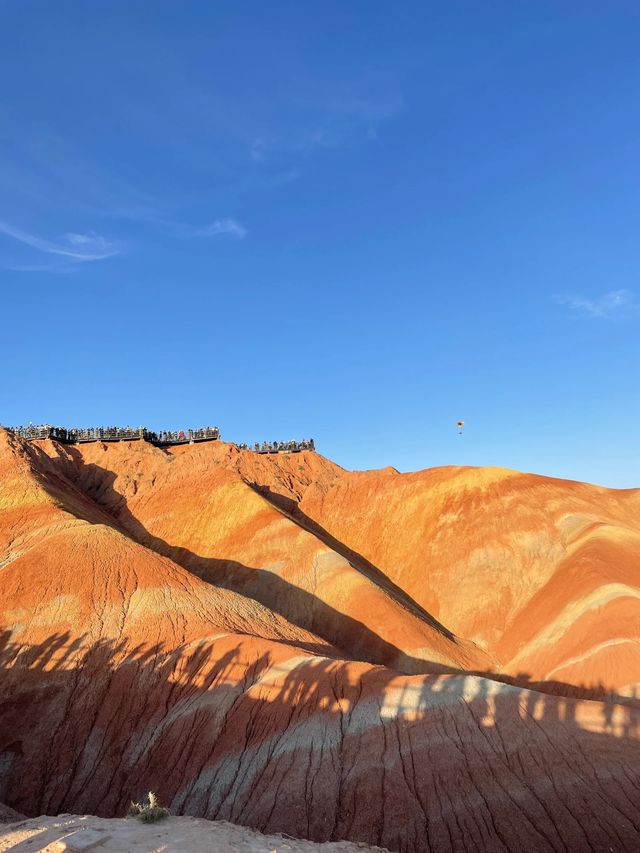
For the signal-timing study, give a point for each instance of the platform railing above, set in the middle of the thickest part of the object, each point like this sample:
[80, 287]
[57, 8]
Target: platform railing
[164, 438]
[80, 435]
[281, 446]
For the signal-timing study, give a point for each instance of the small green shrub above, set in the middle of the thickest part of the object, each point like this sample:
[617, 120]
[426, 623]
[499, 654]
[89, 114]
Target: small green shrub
[150, 812]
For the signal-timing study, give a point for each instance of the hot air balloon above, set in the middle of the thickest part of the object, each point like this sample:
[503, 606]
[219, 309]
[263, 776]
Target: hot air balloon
[460, 424]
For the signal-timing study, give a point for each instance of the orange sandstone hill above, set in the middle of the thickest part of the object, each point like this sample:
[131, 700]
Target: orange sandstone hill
[188, 507]
[542, 574]
[283, 644]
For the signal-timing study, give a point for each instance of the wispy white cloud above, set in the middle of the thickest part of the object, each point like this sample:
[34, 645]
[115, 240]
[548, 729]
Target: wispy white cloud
[55, 267]
[330, 120]
[229, 227]
[44, 168]
[86, 241]
[76, 248]
[614, 303]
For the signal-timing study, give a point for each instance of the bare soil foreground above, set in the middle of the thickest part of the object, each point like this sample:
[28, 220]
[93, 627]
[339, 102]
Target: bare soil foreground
[440, 661]
[81, 834]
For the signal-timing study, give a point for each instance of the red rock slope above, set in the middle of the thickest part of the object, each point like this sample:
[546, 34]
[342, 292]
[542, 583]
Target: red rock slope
[122, 671]
[543, 574]
[188, 506]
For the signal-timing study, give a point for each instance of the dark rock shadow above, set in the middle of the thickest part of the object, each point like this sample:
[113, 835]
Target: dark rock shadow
[226, 731]
[292, 510]
[348, 636]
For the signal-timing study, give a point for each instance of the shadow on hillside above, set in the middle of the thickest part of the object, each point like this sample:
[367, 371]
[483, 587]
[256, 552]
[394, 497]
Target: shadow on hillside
[349, 636]
[364, 566]
[323, 749]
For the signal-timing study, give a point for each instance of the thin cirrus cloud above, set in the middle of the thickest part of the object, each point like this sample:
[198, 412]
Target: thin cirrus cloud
[331, 120]
[222, 227]
[613, 304]
[74, 248]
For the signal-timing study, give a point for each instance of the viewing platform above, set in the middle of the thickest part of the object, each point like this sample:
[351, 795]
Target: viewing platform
[111, 434]
[280, 446]
[164, 438]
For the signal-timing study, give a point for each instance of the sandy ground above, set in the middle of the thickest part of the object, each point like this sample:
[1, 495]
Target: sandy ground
[78, 834]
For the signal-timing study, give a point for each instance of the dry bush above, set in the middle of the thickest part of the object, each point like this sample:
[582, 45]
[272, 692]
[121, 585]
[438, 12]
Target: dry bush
[150, 812]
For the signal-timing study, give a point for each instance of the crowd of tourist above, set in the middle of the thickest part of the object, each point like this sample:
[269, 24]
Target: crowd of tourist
[41, 431]
[280, 446]
[113, 433]
[182, 437]
[163, 438]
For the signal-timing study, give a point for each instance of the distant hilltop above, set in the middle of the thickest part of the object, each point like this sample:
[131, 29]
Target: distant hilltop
[163, 438]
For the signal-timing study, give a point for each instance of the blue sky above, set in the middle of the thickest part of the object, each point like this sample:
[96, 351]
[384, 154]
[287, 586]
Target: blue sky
[349, 221]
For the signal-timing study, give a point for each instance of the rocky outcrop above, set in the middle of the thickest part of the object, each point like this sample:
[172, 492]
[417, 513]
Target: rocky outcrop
[8, 815]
